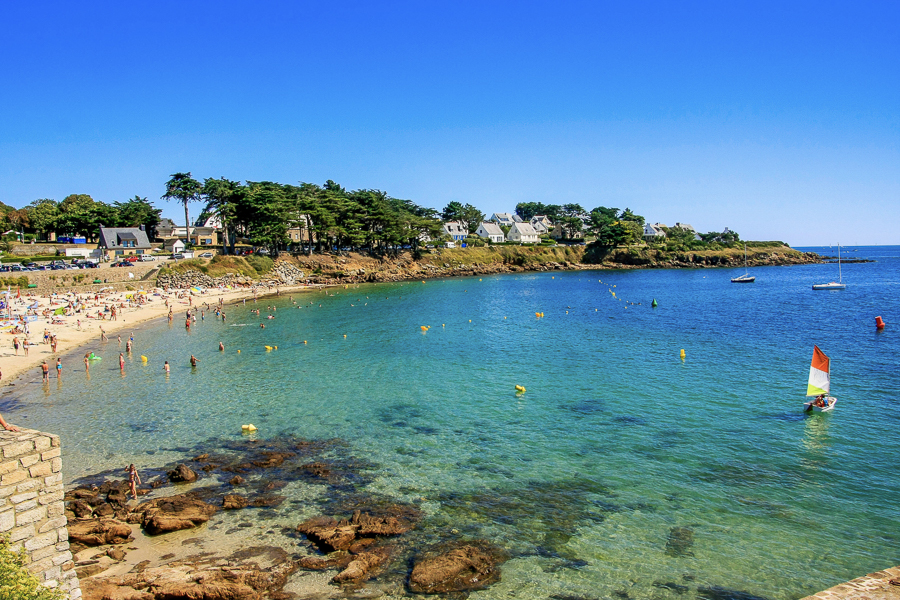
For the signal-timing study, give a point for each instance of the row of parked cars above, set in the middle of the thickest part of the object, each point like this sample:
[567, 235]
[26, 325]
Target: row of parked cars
[56, 265]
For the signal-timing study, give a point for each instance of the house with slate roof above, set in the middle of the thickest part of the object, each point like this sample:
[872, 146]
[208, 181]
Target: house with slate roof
[491, 231]
[523, 233]
[505, 219]
[655, 232]
[457, 230]
[123, 241]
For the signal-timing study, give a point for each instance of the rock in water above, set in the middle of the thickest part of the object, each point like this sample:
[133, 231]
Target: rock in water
[182, 473]
[184, 511]
[233, 501]
[467, 566]
[680, 542]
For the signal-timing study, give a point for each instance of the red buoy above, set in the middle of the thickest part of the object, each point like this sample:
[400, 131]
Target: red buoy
[879, 324]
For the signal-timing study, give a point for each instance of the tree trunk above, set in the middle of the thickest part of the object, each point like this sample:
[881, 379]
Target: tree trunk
[187, 227]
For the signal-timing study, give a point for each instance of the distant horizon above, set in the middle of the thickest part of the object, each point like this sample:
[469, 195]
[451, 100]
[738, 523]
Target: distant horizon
[776, 120]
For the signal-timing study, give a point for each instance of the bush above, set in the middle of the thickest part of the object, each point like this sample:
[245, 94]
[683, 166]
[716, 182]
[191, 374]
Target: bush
[21, 282]
[16, 583]
[262, 264]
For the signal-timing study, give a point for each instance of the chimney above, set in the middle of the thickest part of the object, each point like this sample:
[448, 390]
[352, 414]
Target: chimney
[142, 228]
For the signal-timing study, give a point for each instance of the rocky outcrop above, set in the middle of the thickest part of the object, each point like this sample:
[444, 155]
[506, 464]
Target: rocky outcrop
[239, 580]
[189, 279]
[330, 534]
[182, 474]
[99, 532]
[174, 513]
[463, 567]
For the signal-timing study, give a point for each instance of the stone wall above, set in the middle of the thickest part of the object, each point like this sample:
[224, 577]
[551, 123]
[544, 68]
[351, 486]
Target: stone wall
[31, 506]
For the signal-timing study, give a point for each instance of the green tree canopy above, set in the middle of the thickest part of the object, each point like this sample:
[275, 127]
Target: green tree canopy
[183, 188]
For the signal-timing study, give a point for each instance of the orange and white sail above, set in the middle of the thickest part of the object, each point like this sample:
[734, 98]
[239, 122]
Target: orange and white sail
[819, 374]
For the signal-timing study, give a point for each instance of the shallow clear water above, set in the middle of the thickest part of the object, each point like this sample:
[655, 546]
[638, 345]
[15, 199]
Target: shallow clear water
[621, 468]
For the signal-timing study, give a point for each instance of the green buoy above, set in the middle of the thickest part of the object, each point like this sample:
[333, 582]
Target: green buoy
[654, 303]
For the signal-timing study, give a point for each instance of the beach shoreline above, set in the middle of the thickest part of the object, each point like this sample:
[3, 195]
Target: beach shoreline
[70, 337]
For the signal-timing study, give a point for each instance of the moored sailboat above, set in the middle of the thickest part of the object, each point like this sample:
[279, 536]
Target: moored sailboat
[746, 277]
[819, 383]
[834, 285]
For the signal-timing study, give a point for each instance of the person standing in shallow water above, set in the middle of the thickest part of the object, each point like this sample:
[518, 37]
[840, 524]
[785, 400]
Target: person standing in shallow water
[45, 371]
[58, 368]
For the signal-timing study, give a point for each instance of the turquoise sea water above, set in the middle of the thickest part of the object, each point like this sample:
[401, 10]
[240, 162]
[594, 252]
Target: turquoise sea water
[622, 468]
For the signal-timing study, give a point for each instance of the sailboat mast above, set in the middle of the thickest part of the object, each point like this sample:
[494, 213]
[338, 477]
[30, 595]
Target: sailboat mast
[840, 275]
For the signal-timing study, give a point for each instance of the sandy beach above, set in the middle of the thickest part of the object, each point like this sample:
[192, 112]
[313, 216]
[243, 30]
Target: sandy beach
[89, 312]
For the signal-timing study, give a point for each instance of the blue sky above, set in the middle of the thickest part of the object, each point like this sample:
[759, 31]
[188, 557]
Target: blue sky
[780, 120]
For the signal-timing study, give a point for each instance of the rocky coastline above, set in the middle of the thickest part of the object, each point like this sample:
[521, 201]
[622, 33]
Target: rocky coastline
[356, 268]
[354, 537]
[289, 518]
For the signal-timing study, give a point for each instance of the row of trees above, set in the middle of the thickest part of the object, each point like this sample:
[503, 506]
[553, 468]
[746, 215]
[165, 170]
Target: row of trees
[330, 216]
[81, 215]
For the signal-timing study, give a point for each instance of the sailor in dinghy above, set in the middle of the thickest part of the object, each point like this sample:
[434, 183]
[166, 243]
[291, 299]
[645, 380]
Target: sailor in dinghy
[819, 383]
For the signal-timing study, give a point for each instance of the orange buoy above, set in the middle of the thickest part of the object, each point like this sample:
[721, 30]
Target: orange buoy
[879, 323]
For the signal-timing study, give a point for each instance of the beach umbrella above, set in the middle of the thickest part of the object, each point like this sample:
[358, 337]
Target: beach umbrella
[59, 311]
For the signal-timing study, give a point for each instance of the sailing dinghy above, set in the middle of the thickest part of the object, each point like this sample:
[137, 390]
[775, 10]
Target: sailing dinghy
[819, 383]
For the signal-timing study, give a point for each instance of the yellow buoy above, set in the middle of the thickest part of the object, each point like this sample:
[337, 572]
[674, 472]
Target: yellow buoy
[268, 348]
[304, 341]
[239, 351]
[443, 324]
[143, 358]
[345, 335]
[423, 328]
[276, 347]
[520, 389]
[682, 354]
[470, 320]
[248, 427]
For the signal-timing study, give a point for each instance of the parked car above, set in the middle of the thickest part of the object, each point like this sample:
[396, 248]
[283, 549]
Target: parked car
[147, 258]
[206, 255]
[121, 263]
[133, 258]
[178, 256]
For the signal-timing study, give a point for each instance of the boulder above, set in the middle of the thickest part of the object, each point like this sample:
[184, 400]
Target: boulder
[463, 567]
[182, 474]
[174, 513]
[236, 480]
[81, 508]
[363, 565]
[233, 501]
[328, 534]
[99, 532]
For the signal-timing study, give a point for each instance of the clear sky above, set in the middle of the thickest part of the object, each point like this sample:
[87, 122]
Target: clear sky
[780, 120]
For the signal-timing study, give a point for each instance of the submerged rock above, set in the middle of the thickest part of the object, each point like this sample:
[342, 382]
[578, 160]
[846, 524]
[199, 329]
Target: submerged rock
[680, 542]
[233, 501]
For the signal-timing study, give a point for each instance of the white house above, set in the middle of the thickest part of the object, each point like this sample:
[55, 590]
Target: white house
[653, 233]
[491, 231]
[505, 219]
[457, 230]
[523, 233]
